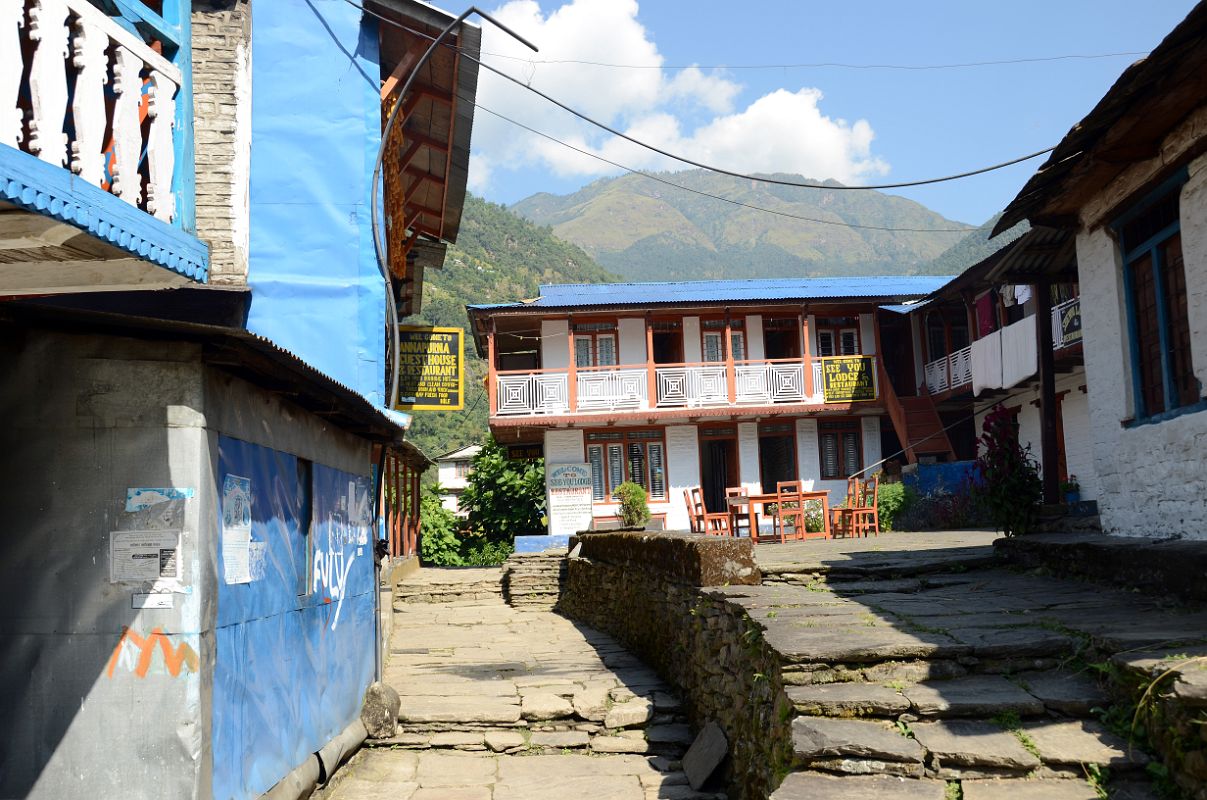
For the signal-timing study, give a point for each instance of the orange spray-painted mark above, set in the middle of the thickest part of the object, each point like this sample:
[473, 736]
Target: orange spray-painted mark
[173, 657]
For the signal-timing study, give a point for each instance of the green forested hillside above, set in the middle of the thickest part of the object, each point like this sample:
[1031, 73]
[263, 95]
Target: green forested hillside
[646, 230]
[499, 257]
[975, 247]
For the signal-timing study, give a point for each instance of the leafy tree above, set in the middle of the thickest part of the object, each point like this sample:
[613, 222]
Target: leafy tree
[438, 542]
[504, 498]
[1010, 487]
[634, 508]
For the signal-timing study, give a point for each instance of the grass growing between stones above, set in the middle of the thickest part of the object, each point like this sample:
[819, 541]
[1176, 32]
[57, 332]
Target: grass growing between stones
[1099, 779]
[1009, 721]
[953, 791]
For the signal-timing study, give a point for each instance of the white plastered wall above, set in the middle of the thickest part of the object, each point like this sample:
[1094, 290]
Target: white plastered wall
[555, 345]
[755, 350]
[632, 340]
[692, 352]
[683, 472]
[1151, 476]
[867, 335]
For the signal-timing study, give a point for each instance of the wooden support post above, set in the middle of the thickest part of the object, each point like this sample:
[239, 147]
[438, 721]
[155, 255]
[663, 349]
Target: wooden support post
[572, 373]
[806, 353]
[1048, 409]
[970, 312]
[731, 380]
[947, 349]
[651, 374]
[492, 379]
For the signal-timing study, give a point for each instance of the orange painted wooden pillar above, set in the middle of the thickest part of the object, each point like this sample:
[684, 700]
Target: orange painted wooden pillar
[572, 374]
[806, 354]
[731, 378]
[652, 376]
[415, 521]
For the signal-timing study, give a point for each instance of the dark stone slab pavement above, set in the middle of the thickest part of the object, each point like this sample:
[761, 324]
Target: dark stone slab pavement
[973, 696]
[814, 786]
[823, 737]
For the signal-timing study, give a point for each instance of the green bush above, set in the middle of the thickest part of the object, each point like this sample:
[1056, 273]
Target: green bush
[484, 553]
[504, 498]
[438, 542]
[634, 508]
[1010, 489]
[893, 499]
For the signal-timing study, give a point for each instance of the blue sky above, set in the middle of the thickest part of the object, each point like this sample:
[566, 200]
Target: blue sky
[858, 125]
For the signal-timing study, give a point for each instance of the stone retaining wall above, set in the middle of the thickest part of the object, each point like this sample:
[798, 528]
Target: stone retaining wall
[650, 592]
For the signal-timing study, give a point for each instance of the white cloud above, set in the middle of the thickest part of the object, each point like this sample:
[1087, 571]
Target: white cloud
[783, 131]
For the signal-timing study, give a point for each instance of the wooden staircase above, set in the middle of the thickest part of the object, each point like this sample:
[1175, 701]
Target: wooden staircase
[918, 425]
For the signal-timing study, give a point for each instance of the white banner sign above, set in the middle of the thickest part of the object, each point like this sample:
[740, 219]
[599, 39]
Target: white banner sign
[569, 490]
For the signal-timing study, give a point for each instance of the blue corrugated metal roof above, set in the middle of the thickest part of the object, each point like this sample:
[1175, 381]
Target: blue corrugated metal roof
[573, 295]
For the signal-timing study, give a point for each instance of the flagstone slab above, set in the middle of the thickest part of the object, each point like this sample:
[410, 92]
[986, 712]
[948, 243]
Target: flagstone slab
[446, 708]
[1082, 742]
[975, 695]
[1073, 693]
[1016, 789]
[847, 700]
[816, 786]
[824, 737]
[973, 743]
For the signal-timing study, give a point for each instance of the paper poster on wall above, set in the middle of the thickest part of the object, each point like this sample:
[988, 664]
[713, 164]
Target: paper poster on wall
[141, 498]
[569, 490]
[144, 556]
[236, 529]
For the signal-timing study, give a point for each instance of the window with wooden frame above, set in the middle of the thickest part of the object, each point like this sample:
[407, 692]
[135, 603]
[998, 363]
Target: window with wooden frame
[617, 456]
[712, 338]
[840, 444]
[595, 344]
[461, 469]
[1154, 281]
[837, 336]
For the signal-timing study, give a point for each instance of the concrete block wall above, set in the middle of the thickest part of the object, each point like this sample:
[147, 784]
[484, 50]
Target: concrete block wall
[1152, 477]
[222, 128]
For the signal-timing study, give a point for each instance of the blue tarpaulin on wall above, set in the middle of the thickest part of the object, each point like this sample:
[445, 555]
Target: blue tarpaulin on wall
[294, 644]
[316, 126]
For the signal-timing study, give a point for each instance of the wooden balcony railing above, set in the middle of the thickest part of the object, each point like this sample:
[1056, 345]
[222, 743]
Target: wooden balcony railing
[628, 387]
[81, 92]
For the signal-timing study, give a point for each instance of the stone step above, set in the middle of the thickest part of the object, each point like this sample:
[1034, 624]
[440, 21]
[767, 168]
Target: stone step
[1024, 694]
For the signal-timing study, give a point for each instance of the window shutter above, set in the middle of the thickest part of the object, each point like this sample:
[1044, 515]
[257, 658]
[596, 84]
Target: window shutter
[829, 455]
[596, 457]
[637, 472]
[605, 351]
[657, 472]
[850, 342]
[850, 451]
[825, 343]
[615, 466]
[582, 351]
[712, 347]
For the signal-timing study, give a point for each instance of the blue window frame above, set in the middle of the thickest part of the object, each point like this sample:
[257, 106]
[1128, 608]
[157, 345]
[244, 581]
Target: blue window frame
[1154, 280]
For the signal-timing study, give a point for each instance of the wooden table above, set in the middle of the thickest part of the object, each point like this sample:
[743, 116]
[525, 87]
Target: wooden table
[753, 501]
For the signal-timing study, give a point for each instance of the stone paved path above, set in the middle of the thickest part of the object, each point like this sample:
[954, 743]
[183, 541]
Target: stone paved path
[501, 703]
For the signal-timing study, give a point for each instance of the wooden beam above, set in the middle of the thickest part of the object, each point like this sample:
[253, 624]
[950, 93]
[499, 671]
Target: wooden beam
[427, 141]
[432, 93]
[405, 65]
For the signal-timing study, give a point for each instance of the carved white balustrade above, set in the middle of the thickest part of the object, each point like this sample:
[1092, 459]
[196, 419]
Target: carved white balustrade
[73, 43]
[610, 389]
[950, 372]
[769, 383]
[533, 393]
[692, 386]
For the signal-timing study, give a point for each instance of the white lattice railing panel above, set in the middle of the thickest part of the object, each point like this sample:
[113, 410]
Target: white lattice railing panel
[612, 389]
[533, 394]
[118, 143]
[692, 386]
[770, 383]
[936, 375]
[961, 367]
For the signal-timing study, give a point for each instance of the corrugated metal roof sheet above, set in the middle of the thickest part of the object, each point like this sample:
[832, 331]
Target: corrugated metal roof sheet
[575, 295]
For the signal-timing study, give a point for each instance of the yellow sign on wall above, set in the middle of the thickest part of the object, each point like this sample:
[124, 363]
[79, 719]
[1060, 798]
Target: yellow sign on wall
[848, 379]
[431, 369]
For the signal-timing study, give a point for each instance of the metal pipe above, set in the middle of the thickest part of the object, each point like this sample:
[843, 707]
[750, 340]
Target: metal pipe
[378, 244]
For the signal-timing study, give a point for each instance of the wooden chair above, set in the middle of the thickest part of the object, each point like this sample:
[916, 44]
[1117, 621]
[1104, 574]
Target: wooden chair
[715, 523]
[691, 513]
[789, 510]
[865, 517]
[840, 518]
[740, 515]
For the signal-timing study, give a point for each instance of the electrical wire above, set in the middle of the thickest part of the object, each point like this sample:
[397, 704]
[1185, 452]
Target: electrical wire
[703, 193]
[826, 64]
[698, 164]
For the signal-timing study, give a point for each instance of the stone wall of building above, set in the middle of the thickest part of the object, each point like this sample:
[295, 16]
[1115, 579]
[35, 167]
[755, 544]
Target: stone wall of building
[1151, 480]
[652, 594]
[222, 129]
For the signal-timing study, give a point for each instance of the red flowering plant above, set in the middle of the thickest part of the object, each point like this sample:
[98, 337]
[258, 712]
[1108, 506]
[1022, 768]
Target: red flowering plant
[1010, 489]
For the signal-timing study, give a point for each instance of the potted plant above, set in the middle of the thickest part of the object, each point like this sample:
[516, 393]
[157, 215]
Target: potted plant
[634, 506]
[1071, 489]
